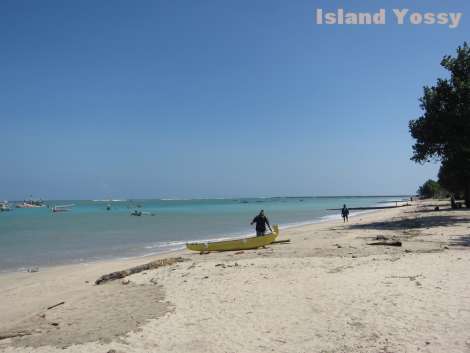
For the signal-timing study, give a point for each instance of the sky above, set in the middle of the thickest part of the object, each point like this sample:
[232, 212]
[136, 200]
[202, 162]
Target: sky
[144, 99]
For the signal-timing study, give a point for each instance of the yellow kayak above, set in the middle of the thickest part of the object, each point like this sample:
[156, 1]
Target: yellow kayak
[236, 244]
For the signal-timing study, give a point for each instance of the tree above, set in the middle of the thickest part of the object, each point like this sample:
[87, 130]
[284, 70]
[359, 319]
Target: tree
[430, 188]
[450, 179]
[442, 133]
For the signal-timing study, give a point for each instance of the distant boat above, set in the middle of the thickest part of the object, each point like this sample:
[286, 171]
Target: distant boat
[62, 208]
[140, 213]
[31, 204]
[4, 206]
[110, 200]
[236, 244]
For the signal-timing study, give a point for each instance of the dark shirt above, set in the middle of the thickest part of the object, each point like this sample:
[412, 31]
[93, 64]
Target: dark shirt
[345, 211]
[261, 222]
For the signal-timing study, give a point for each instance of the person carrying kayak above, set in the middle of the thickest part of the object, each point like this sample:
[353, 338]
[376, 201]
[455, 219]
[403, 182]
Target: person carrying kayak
[261, 221]
[345, 213]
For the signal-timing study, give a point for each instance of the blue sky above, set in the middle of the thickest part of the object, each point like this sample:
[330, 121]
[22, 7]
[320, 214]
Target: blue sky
[212, 98]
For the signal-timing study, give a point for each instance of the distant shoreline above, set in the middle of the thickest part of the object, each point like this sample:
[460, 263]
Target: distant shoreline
[214, 198]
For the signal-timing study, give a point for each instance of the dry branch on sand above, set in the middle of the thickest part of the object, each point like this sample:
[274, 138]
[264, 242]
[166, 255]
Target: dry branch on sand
[386, 243]
[5, 335]
[55, 305]
[148, 266]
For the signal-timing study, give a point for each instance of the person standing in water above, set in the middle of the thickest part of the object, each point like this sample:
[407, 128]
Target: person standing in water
[345, 213]
[261, 221]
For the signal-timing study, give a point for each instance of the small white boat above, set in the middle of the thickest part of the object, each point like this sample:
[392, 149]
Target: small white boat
[4, 206]
[62, 208]
[31, 204]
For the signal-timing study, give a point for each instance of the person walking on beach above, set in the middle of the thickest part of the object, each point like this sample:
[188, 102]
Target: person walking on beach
[345, 213]
[261, 221]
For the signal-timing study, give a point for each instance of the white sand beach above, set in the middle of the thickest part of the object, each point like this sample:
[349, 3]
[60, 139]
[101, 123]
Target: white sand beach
[325, 291]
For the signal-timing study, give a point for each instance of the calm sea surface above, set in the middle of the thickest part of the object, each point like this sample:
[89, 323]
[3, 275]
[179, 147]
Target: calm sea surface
[38, 237]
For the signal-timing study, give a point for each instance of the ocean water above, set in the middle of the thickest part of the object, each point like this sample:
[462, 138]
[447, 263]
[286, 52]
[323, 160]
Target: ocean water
[38, 237]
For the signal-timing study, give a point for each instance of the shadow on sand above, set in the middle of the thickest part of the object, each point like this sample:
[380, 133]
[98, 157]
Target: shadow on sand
[421, 222]
[463, 240]
[441, 209]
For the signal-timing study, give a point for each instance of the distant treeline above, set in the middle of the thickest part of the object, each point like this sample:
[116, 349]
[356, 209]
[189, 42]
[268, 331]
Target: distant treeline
[432, 189]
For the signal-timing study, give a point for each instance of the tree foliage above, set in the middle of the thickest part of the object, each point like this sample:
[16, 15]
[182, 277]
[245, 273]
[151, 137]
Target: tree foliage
[430, 188]
[442, 133]
[450, 179]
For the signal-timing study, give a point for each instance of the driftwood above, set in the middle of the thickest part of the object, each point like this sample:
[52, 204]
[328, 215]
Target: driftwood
[5, 335]
[148, 266]
[281, 241]
[386, 243]
[53, 306]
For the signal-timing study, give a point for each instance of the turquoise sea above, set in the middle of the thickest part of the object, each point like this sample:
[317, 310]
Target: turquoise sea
[89, 232]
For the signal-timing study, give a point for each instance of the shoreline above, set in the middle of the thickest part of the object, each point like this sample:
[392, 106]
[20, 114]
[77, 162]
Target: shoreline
[324, 220]
[287, 226]
[326, 290]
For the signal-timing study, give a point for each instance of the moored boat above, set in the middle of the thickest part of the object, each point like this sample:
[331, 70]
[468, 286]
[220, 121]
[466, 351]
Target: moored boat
[236, 244]
[62, 208]
[31, 204]
[4, 206]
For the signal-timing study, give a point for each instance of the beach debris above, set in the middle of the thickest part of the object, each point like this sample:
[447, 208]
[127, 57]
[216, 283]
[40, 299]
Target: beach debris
[12, 334]
[111, 351]
[54, 324]
[381, 237]
[220, 265]
[125, 281]
[153, 280]
[33, 269]
[150, 265]
[55, 305]
[411, 278]
[387, 243]
[338, 246]
[239, 252]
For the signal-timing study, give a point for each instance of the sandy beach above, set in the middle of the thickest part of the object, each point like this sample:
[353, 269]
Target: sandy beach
[325, 291]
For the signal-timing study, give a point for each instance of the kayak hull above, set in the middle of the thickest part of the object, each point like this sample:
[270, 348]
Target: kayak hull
[236, 244]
